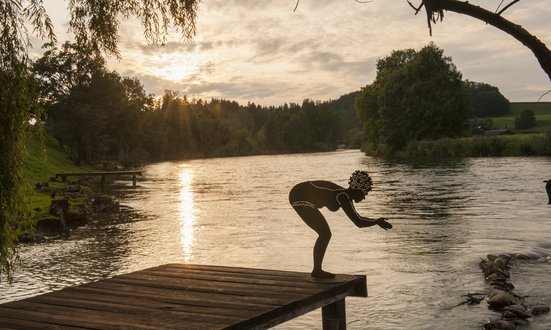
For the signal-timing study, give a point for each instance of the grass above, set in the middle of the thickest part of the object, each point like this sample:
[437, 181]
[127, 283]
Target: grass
[542, 110]
[45, 157]
[481, 146]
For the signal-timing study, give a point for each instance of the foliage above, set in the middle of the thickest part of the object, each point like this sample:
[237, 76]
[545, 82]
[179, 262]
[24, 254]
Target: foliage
[92, 111]
[526, 119]
[415, 96]
[17, 107]
[481, 146]
[179, 128]
[95, 25]
[45, 157]
[486, 100]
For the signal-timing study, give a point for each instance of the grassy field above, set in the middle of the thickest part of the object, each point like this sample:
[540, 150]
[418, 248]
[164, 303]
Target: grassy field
[542, 110]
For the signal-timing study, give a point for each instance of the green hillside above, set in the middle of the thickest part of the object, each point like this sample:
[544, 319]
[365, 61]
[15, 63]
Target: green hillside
[43, 160]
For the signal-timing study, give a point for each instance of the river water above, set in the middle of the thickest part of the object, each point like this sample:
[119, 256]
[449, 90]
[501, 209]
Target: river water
[447, 215]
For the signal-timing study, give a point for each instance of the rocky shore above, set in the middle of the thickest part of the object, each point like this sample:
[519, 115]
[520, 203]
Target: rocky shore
[514, 310]
[72, 205]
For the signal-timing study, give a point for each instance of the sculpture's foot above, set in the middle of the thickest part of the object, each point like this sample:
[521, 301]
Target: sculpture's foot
[320, 274]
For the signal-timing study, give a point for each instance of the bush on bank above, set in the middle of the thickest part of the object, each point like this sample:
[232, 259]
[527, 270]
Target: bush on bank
[476, 146]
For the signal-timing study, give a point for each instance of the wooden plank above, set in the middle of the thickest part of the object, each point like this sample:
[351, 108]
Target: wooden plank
[105, 319]
[183, 297]
[173, 295]
[177, 305]
[204, 286]
[219, 282]
[14, 323]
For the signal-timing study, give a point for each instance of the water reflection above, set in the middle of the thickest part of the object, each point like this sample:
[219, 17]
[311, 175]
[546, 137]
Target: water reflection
[187, 215]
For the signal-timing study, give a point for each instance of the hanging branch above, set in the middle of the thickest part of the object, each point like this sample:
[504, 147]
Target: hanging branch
[358, 1]
[507, 7]
[296, 6]
[435, 10]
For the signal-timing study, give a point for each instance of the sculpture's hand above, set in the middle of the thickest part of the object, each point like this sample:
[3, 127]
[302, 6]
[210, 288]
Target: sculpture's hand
[383, 223]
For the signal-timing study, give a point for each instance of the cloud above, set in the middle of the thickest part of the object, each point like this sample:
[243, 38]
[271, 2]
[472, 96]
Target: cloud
[263, 52]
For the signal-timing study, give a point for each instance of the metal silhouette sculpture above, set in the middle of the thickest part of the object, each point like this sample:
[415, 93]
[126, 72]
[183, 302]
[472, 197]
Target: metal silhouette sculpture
[548, 189]
[310, 196]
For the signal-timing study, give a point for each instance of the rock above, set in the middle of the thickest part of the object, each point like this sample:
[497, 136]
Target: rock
[517, 311]
[503, 285]
[500, 300]
[492, 257]
[539, 310]
[104, 203]
[499, 324]
[59, 206]
[50, 225]
[28, 237]
[73, 188]
[493, 277]
[500, 263]
[75, 219]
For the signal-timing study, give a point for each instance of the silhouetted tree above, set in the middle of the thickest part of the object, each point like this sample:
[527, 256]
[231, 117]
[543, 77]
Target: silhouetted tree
[95, 25]
[486, 100]
[415, 96]
[525, 119]
[435, 9]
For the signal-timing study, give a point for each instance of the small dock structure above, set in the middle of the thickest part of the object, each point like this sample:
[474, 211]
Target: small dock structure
[103, 174]
[186, 296]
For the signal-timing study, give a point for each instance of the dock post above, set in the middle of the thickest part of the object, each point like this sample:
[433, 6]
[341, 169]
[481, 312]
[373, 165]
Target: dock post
[334, 316]
[133, 180]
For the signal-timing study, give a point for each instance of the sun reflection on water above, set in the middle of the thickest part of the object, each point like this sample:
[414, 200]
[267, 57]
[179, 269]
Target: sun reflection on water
[186, 212]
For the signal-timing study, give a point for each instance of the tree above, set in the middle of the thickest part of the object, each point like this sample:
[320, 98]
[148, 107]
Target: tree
[415, 96]
[486, 100]
[434, 10]
[525, 119]
[94, 24]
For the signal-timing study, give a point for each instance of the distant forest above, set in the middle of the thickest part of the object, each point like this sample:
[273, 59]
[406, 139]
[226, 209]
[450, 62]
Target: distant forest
[100, 116]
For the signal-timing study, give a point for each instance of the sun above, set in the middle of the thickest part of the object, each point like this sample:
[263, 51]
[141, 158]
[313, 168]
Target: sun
[173, 67]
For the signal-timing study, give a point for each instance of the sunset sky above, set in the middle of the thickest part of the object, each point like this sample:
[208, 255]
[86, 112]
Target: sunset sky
[261, 51]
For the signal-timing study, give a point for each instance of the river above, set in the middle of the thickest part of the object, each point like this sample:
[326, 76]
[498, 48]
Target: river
[447, 215]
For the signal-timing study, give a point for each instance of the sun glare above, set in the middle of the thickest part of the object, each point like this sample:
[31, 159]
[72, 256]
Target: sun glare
[173, 67]
[187, 213]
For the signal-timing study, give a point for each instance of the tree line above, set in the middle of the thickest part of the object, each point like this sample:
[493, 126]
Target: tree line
[99, 115]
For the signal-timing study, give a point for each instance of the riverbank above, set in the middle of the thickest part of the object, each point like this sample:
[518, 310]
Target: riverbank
[58, 207]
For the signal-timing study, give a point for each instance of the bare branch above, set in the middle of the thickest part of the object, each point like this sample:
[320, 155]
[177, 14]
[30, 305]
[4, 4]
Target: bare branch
[417, 9]
[549, 91]
[507, 7]
[296, 6]
[500, 3]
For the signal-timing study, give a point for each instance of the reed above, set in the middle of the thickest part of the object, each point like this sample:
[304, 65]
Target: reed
[477, 146]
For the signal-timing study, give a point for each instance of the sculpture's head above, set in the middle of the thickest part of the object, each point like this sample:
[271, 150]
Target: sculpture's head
[360, 181]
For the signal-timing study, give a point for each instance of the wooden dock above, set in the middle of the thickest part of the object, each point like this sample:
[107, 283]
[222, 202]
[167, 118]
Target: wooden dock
[103, 174]
[184, 296]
